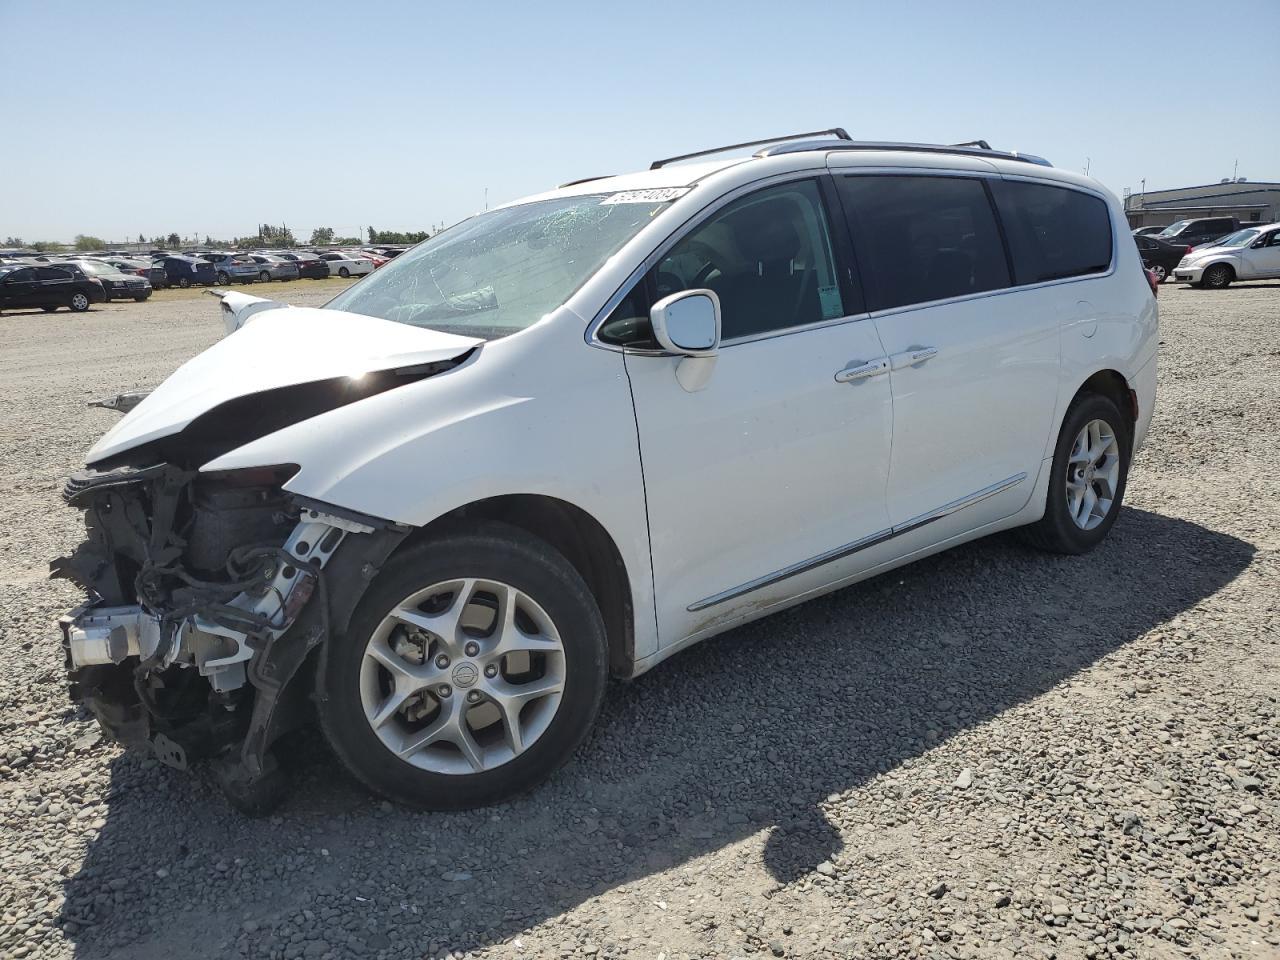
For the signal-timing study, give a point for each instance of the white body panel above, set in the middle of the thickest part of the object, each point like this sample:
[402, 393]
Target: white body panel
[770, 464]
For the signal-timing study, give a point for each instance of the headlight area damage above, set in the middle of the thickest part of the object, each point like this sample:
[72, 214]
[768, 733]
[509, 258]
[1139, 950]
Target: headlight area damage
[211, 597]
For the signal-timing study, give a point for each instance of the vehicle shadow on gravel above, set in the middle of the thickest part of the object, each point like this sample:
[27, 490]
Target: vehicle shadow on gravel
[743, 734]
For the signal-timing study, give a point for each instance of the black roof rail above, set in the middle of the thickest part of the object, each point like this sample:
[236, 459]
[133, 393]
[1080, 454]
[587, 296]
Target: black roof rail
[574, 183]
[837, 132]
[975, 148]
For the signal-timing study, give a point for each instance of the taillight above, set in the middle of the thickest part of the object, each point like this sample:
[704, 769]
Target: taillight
[1152, 281]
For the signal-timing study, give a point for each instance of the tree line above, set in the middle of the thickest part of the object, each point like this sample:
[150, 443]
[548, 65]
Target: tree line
[268, 235]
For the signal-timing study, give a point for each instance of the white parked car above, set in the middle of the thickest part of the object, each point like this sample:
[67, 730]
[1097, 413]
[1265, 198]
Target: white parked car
[346, 264]
[1250, 254]
[571, 436]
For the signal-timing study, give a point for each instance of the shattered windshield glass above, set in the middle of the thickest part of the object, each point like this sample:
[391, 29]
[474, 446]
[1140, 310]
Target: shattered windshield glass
[501, 271]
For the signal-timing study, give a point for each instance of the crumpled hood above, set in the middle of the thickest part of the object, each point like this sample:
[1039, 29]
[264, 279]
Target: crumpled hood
[280, 348]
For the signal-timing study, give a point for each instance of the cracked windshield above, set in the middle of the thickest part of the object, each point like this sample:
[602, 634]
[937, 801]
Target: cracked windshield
[501, 271]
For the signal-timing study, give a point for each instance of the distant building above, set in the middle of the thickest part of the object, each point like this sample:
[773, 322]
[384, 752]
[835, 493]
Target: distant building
[1242, 199]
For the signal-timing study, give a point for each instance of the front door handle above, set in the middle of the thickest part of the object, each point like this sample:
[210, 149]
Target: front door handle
[911, 357]
[861, 371]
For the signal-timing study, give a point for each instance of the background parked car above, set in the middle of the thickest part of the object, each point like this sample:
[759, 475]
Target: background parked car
[309, 265]
[116, 284]
[143, 268]
[1160, 256]
[1252, 254]
[377, 259]
[346, 264]
[186, 271]
[1194, 233]
[271, 267]
[48, 286]
[1150, 231]
[232, 267]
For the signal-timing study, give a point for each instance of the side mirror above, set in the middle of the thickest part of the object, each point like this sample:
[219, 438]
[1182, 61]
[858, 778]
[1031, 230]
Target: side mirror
[688, 323]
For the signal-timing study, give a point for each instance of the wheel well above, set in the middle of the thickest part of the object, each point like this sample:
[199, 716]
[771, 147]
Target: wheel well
[582, 541]
[1112, 385]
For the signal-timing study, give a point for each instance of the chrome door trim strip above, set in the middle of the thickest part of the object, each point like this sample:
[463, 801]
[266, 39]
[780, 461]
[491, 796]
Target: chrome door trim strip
[839, 553]
[956, 505]
[791, 571]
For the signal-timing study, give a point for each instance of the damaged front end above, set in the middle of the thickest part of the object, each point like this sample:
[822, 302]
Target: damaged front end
[211, 597]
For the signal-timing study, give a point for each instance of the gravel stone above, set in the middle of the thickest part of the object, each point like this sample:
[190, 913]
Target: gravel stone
[1118, 711]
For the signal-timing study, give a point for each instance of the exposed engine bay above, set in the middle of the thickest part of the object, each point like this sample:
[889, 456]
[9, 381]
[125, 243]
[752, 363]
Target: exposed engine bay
[208, 595]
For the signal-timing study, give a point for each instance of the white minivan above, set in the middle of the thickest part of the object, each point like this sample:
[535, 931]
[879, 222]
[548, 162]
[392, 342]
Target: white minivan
[568, 437]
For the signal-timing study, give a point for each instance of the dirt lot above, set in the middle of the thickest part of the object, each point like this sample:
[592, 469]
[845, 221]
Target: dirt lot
[993, 753]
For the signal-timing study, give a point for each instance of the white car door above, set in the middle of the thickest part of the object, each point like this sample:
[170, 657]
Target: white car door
[974, 364]
[1262, 257]
[764, 483]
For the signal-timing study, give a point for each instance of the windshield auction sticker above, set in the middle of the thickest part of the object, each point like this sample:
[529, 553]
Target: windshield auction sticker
[656, 195]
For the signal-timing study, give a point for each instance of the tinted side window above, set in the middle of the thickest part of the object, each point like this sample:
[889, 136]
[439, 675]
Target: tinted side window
[1053, 232]
[52, 273]
[768, 257]
[923, 238]
[20, 276]
[628, 325]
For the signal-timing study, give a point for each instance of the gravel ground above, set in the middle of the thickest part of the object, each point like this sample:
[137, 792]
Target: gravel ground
[993, 753]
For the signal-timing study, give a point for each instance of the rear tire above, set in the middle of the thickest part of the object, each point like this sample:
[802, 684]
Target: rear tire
[264, 276]
[1218, 277]
[343, 272]
[223, 278]
[467, 765]
[79, 302]
[48, 309]
[1161, 273]
[184, 282]
[1070, 524]
[141, 297]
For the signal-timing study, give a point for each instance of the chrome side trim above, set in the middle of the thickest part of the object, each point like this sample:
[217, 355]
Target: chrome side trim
[796, 568]
[848, 549]
[956, 505]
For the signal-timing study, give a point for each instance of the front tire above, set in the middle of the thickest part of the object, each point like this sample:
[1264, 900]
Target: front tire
[471, 670]
[184, 282]
[79, 302]
[1218, 277]
[1090, 470]
[223, 278]
[48, 309]
[1161, 273]
[343, 272]
[264, 276]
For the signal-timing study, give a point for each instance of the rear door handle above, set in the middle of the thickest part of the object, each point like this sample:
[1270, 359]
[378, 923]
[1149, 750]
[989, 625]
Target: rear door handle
[911, 357]
[861, 371]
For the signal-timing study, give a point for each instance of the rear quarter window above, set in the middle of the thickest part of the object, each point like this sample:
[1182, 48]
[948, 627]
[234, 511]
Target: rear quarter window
[1053, 232]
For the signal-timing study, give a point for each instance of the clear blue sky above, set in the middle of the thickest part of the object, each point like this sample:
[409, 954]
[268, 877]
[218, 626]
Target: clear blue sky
[149, 117]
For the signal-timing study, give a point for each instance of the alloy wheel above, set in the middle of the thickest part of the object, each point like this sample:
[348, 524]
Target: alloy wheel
[1093, 474]
[462, 676]
[79, 301]
[1160, 272]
